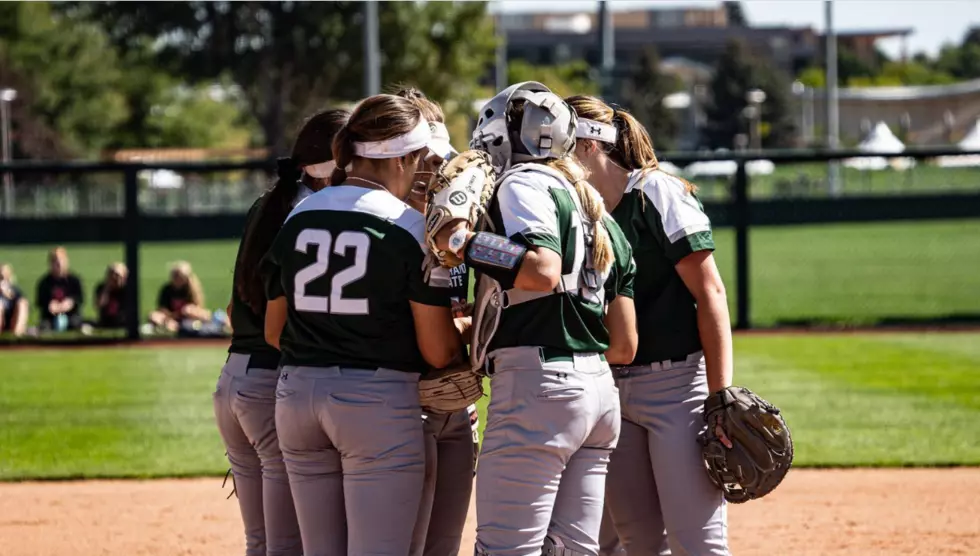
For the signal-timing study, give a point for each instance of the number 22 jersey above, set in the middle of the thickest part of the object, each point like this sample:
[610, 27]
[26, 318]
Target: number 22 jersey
[349, 260]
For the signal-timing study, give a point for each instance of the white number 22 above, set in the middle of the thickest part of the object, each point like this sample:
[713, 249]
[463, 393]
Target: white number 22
[336, 304]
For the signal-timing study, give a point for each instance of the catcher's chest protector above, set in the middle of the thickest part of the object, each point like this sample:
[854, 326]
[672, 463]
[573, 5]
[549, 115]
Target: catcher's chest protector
[491, 299]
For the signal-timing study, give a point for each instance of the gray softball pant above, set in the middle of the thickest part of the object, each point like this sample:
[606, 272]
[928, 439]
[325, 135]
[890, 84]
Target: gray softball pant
[542, 470]
[245, 411]
[657, 492]
[450, 460]
[354, 448]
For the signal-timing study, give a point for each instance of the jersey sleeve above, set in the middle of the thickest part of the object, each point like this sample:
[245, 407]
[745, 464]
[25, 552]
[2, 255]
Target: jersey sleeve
[270, 270]
[678, 221]
[528, 213]
[435, 293]
[623, 273]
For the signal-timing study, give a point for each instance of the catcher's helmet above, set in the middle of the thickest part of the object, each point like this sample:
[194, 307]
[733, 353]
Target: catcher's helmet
[547, 129]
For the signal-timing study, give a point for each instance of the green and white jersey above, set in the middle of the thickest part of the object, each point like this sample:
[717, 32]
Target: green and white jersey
[538, 207]
[664, 223]
[349, 261]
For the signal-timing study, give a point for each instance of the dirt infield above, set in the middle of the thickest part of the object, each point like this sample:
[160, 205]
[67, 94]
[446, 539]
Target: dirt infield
[897, 511]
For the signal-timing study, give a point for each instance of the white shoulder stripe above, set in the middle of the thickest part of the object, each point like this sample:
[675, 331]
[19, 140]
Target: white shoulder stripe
[679, 212]
[374, 202]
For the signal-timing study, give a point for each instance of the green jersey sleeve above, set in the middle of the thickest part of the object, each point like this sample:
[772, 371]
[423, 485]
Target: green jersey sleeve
[623, 274]
[421, 291]
[528, 212]
[678, 219]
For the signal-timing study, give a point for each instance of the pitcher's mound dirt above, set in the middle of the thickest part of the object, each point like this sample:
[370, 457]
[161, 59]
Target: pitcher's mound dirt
[854, 512]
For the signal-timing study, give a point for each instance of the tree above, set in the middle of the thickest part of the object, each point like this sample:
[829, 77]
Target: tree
[736, 73]
[572, 78]
[735, 13]
[291, 58]
[65, 74]
[644, 91]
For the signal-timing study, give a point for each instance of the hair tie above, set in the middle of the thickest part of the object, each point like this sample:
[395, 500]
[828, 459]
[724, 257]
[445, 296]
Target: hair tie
[287, 170]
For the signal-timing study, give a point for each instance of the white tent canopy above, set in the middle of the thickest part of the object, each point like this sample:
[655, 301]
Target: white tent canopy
[725, 168]
[880, 140]
[969, 142]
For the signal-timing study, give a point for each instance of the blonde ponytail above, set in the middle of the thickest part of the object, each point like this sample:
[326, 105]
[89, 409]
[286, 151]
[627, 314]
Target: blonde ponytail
[591, 201]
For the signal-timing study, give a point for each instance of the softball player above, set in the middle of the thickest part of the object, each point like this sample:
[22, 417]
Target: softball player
[345, 273]
[554, 414]
[450, 443]
[244, 400]
[657, 486]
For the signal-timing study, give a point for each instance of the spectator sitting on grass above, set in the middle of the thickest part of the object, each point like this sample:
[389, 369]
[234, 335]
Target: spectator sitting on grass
[110, 297]
[59, 295]
[181, 299]
[13, 304]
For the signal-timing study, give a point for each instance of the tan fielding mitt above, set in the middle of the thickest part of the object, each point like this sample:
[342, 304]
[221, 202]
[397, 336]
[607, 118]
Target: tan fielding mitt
[450, 390]
[461, 189]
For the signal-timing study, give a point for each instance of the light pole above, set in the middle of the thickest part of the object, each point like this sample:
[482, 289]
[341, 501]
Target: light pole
[753, 113]
[805, 94]
[6, 97]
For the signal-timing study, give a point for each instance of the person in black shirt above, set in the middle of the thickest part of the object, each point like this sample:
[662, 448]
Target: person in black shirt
[180, 299]
[245, 396]
[59, 295]
[13, 304]
[110, 296]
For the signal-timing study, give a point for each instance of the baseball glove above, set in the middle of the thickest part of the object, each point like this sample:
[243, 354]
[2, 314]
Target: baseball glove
[450, 390]
[762, 449]
[460, 189]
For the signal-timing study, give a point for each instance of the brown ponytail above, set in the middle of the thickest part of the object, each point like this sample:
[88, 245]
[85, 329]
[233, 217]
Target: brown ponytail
[634, 148]
[376, 118]
[312, 147]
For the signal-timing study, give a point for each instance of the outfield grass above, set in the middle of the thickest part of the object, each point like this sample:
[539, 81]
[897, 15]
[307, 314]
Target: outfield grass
[852, 399]
[841, 273]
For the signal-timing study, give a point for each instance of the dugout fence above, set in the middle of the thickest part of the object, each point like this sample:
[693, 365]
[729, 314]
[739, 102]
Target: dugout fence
[892, 246]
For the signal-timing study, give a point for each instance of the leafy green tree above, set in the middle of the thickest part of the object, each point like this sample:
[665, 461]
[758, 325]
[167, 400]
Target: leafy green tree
[68, 103]
[736, 73]
[291, 58]
[644, 91]
[572, 78]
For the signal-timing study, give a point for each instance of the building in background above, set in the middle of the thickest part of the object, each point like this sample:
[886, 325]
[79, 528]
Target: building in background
[689, 40]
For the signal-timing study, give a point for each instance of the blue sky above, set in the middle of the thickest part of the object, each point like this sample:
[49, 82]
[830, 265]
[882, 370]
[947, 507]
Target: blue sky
[934, 21]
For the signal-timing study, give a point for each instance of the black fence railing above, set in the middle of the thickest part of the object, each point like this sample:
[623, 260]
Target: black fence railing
[735, 208]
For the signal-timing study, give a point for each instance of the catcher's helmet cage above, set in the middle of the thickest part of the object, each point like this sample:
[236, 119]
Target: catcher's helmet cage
[547, 129]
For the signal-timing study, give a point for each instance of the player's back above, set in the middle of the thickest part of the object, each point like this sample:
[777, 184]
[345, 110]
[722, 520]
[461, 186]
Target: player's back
[349, 262]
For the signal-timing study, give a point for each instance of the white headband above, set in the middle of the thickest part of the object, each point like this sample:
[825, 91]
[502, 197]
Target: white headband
[591, 129]
[321, 170]
[396, 146]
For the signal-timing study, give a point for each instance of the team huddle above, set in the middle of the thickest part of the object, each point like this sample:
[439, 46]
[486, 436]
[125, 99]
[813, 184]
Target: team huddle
[346, 404]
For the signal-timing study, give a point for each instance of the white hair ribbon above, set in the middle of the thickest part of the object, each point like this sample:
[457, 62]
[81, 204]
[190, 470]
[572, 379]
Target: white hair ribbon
[401, 145]
[321, 170]
[591, 129]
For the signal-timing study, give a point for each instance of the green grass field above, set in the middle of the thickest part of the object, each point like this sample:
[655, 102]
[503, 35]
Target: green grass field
[843, 273]
[850, 399]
